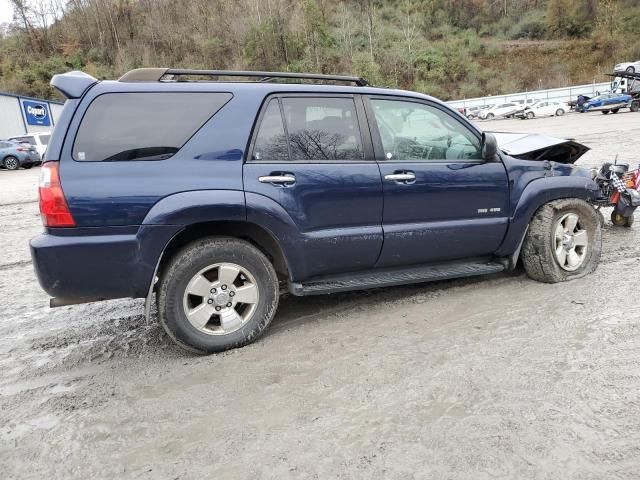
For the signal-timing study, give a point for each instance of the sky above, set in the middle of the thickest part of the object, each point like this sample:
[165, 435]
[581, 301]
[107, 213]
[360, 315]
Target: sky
[6, 12]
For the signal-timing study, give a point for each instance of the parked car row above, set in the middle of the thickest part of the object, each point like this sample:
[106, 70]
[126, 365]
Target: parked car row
[524, 109]
[23, 151]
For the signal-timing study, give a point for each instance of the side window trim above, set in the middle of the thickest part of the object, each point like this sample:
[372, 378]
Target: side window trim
[362, 123]
[377, 139]
[284, 126]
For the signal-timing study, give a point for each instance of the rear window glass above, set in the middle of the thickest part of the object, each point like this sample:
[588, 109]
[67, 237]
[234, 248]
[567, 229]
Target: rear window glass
[28, 139]
[142, 126]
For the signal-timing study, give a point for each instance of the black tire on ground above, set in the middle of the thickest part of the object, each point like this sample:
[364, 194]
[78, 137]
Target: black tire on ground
[620, 221]
[192, 259]
[559, 112]
[11, 163]
[635, 106]
[615, 110]
[604, 112]
[538, 250]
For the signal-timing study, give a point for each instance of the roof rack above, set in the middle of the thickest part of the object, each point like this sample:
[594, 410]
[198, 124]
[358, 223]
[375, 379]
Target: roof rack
[158, 74]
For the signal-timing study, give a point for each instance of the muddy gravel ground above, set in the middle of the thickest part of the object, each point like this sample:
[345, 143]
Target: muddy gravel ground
[484, 378]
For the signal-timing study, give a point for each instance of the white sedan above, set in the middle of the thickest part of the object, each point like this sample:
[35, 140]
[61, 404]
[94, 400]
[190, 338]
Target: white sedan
[629, 67]
[499, 110]
[544, 109]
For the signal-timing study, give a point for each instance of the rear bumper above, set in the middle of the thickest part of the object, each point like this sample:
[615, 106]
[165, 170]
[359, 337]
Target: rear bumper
[99, 266]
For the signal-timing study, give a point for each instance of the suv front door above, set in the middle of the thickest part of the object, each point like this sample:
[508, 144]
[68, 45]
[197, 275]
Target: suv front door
[312, 161]
[442, 201]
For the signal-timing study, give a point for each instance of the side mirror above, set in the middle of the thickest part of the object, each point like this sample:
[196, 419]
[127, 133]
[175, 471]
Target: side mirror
[489, 146]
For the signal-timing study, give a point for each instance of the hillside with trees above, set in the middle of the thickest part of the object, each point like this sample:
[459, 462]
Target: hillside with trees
[447, 48]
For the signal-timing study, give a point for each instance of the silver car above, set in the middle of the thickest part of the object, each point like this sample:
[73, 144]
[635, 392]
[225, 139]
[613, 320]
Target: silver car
[629, 67]
[14, 155]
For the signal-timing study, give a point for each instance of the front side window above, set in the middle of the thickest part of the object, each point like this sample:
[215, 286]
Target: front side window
[142, 126]
[416, 132]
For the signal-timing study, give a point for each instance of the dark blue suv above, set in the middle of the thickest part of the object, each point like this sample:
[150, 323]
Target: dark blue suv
[218, 194]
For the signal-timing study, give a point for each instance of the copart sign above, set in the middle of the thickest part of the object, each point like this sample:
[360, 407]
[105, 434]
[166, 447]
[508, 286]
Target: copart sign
[36, 113]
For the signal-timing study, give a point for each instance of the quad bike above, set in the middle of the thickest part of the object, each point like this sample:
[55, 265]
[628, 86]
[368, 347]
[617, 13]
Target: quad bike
[619, 188]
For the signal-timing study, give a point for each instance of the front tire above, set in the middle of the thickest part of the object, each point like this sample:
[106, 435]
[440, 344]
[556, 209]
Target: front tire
[530, 115]
[559, 112]
[11, 163]
[217, 294]
[564, 241]
[604, 112]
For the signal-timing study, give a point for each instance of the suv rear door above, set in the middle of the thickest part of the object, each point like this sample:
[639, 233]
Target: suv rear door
[442, 201]
[311, 157]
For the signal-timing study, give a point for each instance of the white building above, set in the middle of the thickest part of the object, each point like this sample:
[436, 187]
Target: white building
[20, 115]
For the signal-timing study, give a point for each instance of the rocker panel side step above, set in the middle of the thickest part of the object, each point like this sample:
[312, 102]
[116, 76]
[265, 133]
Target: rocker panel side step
[396, 276]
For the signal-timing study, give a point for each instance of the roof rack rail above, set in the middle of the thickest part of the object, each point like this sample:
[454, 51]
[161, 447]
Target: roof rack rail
[157, 74]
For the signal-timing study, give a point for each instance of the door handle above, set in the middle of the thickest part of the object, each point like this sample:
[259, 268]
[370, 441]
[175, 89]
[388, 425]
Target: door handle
[401, 177]
[284, 179]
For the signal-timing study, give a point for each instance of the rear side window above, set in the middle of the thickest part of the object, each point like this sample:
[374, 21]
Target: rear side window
[142, 126]
[271, 142]
[314, 129]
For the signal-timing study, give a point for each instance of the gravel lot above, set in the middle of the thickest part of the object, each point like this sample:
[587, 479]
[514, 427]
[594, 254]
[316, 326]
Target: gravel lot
[485, 378]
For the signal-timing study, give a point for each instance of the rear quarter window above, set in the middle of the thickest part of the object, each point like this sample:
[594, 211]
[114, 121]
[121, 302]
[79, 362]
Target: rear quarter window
[142, 126]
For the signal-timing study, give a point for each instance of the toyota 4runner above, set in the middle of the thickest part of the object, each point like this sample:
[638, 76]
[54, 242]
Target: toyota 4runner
[218, 194]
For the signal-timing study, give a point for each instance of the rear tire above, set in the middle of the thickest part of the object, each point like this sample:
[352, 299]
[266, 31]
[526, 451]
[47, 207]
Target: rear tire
[547, 249]
[559, 112]
[11, 163]
[604, 112]
[615, 110]
[530, 115]
[217, 267]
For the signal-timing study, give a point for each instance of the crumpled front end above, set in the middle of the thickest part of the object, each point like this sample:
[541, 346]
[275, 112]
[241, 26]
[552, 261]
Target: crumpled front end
[533, 146]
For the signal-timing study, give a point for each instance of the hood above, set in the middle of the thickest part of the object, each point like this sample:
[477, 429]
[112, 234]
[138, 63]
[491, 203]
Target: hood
[533, 146]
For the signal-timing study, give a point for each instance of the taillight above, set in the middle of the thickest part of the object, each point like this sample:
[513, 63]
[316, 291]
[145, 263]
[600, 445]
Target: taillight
[20, 149]
[53, 206]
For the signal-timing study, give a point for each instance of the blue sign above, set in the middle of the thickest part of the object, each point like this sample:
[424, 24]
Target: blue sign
[36, 113]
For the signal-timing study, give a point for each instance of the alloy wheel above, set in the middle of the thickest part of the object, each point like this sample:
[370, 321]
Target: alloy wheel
[570, 242]
[220, 298]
